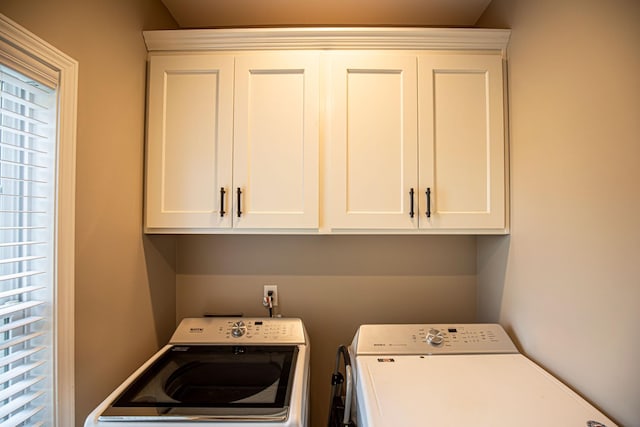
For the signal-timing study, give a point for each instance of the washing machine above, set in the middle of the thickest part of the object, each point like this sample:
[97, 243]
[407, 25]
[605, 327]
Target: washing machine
[240, 372]
[456, 375]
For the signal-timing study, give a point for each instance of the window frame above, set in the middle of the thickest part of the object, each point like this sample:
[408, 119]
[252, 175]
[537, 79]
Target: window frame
[31, 55]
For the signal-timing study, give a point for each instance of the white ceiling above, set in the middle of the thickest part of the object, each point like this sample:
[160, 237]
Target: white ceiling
[252, 13]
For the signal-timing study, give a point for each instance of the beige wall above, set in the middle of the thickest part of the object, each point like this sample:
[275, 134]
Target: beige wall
[334, 283]
[567, 280]
[232, 13]
[125, 284]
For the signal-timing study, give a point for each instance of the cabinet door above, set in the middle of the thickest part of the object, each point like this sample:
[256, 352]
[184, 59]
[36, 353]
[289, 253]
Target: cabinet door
[189, 141]
[462, 149]
[373, 141]
[276, 136]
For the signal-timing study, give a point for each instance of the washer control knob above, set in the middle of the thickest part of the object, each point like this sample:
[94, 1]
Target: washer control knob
[435, 337]
[238, 329]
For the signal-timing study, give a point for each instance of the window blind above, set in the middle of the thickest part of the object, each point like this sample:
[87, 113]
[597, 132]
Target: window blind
[27, 209]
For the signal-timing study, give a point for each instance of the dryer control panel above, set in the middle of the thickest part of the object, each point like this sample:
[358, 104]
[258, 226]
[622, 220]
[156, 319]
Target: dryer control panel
[239, 330]
[473, 338]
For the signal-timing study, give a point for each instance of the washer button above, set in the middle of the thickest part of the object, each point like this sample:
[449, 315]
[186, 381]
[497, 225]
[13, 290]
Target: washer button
[238, 329]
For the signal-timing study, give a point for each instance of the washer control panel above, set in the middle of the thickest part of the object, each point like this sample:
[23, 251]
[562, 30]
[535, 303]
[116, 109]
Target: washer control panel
[240, 330]
[473, 338]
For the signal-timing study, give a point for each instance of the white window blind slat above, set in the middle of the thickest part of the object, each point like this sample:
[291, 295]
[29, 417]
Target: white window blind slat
[15, 342]
[14, 308]
[18, 355]
[20, 259]
[14, 133]
[22, 164]
[19, 387]
[17, 419]
[20, 370]
[20, 323]
[26, 243]
[21, 212]
[11, 146]
[20, 275]
[20, 291]
[15, 96]
[24, 102]
[29, 141]
[22, 196]
[21, 180]
[19, 402]
[22, 228]
[21, 132]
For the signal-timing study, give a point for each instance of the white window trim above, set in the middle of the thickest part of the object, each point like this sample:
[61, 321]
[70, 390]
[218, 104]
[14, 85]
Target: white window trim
[20, 46]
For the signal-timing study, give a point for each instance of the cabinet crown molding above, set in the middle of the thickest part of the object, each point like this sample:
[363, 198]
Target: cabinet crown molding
[327, 38]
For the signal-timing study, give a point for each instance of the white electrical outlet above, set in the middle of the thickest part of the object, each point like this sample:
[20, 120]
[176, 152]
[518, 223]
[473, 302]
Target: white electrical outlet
[274, 296]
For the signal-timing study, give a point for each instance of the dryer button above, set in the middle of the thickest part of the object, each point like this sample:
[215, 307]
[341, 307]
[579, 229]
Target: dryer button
[435, 337]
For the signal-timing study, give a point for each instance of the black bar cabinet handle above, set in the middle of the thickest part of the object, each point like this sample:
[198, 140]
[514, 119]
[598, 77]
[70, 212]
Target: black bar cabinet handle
[222, 193]
[411, 213]
[428, 202]
[239, 192]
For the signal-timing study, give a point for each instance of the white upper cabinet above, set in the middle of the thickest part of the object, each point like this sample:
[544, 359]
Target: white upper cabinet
[417, 142]
[276, 134]
[462, 145]
[373, 141]
[189, 141]
[233, 142]
[326, 130]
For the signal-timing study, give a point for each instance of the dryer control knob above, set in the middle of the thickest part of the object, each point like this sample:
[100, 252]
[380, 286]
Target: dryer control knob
[435, 337]
[238, 329]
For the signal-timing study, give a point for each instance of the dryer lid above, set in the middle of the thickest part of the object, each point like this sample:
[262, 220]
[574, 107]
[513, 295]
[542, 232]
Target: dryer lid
[498, 390]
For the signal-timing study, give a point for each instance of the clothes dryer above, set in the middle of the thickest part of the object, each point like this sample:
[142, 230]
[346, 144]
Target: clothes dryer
[456, 375]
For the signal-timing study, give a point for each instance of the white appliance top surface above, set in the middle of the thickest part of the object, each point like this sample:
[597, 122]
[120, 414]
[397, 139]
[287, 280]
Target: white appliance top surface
[239, 330]
[497, 390]
[471, 376]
